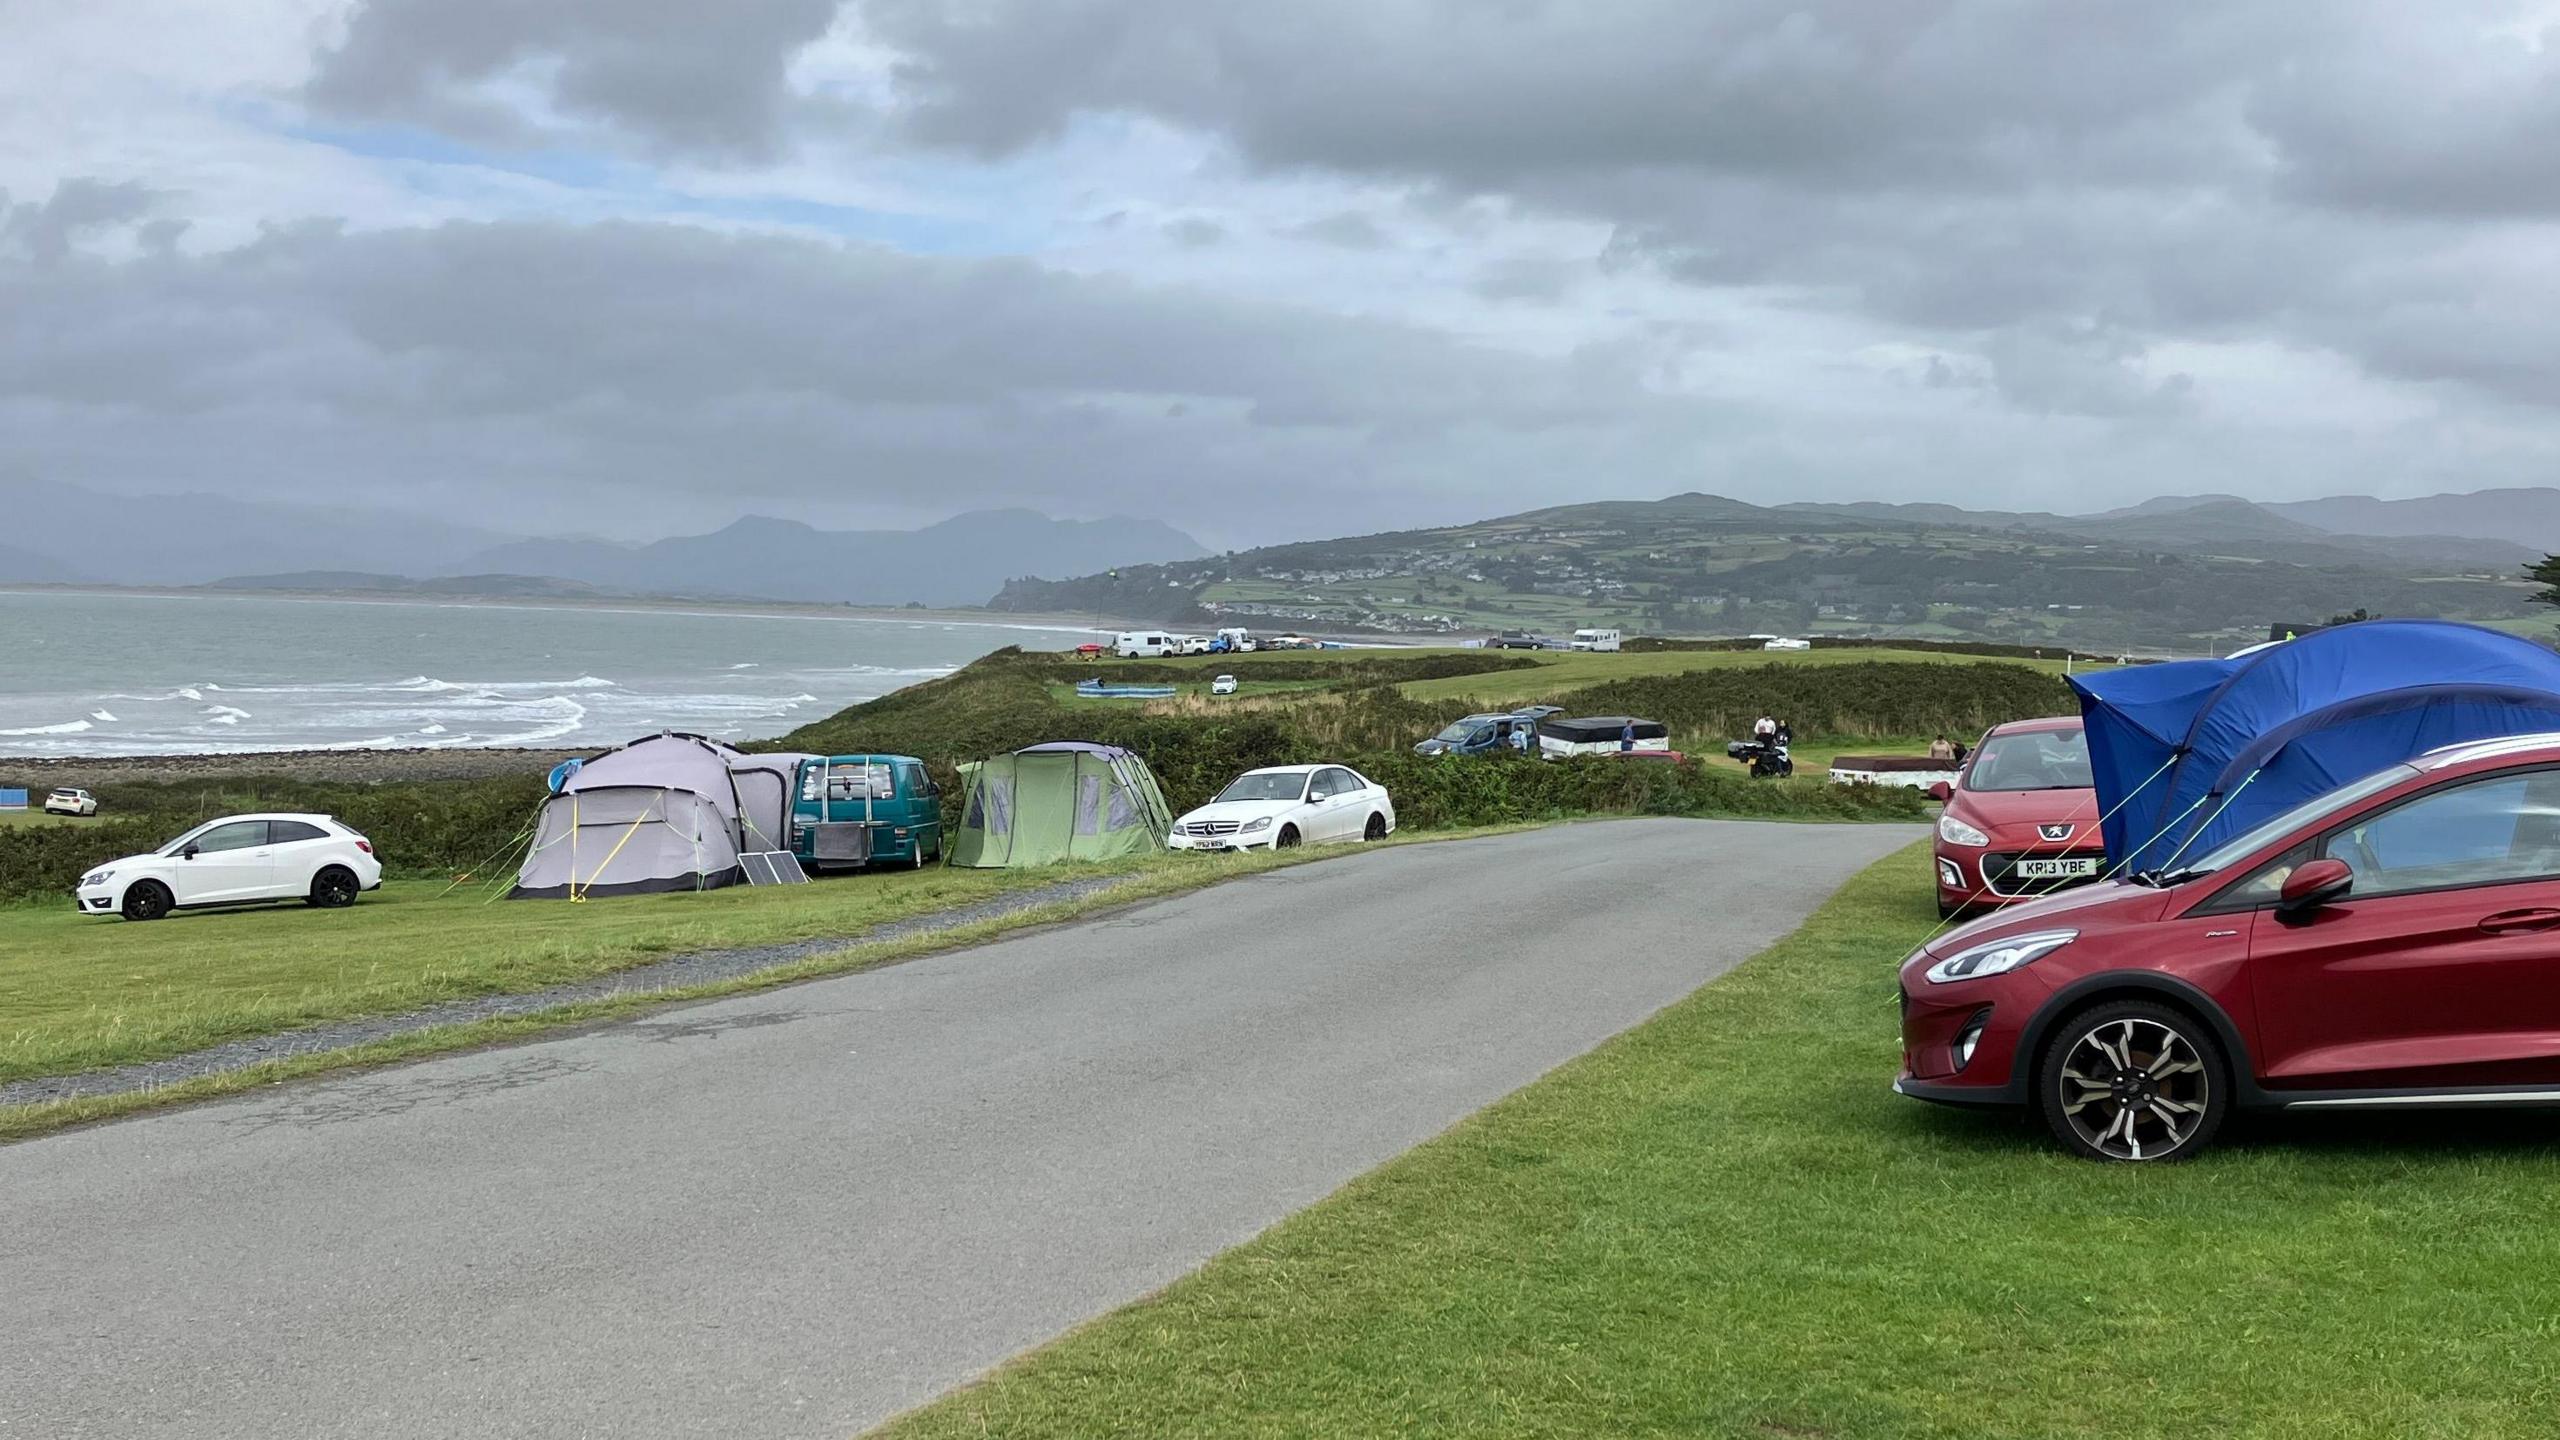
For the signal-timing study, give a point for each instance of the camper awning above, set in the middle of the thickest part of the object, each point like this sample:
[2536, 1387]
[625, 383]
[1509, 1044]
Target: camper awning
[2189, 754]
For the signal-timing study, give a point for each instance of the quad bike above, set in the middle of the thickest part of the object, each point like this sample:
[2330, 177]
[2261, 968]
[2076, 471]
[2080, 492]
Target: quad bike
[1765, 759]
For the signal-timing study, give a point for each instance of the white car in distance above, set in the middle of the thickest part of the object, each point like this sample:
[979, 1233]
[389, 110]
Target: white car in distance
[1223, 685]
[70, 800]
[1286, 806]
[237, 860]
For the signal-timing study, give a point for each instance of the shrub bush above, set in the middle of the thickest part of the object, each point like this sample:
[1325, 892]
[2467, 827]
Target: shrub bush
[1866, 700]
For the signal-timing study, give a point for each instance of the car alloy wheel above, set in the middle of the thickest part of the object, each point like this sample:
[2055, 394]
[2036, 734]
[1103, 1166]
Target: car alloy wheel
[2135, 1082]
[1288, 838]
[1377, 828]
[334, 888]
[147, 900]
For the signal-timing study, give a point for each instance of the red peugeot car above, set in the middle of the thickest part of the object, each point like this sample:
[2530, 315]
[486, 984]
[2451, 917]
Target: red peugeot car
[2394, 943]
[2021, 821]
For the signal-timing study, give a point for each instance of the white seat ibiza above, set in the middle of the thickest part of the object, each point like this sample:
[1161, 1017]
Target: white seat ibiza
[237, 860]
[1288, 805]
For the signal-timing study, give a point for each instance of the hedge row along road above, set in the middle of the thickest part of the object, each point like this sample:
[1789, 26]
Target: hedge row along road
[802, 1211]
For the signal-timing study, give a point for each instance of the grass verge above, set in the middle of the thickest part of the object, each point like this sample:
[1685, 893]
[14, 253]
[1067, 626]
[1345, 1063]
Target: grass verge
[1149, 879]
[81, 992]
[1722, 1223]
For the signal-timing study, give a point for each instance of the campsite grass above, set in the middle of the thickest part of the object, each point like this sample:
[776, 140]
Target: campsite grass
[1722, 1223]
[79, 992]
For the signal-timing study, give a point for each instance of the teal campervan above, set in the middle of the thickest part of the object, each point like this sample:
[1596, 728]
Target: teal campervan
[856, 810]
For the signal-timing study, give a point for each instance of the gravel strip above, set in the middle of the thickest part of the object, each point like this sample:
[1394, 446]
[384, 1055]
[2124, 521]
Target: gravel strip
[674, 973]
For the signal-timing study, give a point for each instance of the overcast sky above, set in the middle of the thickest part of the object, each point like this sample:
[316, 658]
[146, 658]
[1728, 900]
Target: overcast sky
[1272, 270]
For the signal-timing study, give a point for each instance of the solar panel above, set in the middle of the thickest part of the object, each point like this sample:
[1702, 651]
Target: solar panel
[772, 867]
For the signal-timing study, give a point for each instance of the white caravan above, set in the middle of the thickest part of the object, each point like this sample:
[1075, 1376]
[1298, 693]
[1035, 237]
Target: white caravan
[1597, 640]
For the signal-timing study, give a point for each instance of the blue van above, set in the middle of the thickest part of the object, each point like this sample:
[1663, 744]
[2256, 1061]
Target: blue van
[850, 811]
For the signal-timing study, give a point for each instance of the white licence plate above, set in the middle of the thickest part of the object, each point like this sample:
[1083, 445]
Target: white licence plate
[2077, 868]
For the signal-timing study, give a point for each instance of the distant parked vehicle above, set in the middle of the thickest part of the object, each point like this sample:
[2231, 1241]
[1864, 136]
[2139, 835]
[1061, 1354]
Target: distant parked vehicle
[1223, 685]
[1515, 640]
[1286, 806]
[1484, 734]
[237, 860]
[1784, 644]
[1193, 644]
[1599, 640]
[1142, 645]
[855, 810]
[1092, 650]
[69, 801]
[1560, 739]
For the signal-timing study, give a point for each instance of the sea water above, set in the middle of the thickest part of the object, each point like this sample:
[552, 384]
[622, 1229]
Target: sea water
[86, 673]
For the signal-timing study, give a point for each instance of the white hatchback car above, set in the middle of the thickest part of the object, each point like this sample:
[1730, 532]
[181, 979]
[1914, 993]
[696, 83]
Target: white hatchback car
[237, 860]
[70, 800]
[1288, 805]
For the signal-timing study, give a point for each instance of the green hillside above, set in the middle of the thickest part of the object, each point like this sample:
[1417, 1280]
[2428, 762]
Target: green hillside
[2196, 579]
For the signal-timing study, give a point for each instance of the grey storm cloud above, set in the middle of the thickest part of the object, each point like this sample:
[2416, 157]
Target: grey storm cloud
[2244, 170]
[647, 359]
[676, 76]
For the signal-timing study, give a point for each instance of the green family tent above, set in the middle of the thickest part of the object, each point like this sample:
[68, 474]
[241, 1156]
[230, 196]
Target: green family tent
[1066, 801]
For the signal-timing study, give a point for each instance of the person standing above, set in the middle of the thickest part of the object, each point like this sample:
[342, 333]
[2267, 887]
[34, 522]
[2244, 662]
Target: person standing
[1942, 749]
[1627, 737]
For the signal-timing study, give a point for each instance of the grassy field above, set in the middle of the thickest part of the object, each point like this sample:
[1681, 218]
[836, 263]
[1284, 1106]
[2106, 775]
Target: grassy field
[79, 992]
[1722, 1224]
[38, 817]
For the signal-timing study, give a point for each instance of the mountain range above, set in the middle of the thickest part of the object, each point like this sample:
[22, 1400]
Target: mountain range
[960, 561]
[66, 535]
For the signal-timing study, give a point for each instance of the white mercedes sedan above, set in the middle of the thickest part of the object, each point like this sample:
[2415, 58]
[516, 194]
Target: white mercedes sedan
[1288, 805]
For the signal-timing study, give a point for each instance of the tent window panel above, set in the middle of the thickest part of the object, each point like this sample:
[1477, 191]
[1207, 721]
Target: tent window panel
[1088, 804]
[1124, 808]
[998, 798]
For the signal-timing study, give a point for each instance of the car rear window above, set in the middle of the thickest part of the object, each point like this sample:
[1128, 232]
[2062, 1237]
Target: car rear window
[2032, 760]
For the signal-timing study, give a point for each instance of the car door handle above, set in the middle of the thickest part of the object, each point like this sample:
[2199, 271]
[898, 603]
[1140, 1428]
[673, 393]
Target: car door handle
[2520, 922]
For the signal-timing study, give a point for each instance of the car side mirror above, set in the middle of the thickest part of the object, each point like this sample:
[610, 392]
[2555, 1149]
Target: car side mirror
[187, 854]
[2315, 883]
[1941, 790]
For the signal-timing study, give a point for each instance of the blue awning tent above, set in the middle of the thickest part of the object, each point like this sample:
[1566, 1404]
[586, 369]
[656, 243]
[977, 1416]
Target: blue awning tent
[2189, 754]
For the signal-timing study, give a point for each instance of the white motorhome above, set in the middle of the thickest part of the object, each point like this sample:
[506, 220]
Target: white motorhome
[1597, 639]
[1143, 645]
[1776, 643]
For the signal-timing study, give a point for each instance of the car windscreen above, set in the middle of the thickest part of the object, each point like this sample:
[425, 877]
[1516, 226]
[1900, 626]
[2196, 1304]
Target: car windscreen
[1460, 733]
[174, 846]
[2309, 812]
[1284, 786]
[2032, 760]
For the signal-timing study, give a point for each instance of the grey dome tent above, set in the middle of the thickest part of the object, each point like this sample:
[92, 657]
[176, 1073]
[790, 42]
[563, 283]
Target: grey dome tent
[665, 812]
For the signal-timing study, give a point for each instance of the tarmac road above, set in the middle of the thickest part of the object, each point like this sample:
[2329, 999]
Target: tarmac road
[796, 1213]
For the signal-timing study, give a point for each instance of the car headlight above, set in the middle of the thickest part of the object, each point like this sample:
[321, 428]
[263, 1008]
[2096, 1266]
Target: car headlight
[1999, 957]
[97, 877]
[1956, 832]
[1263, 823]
